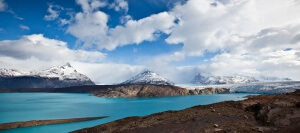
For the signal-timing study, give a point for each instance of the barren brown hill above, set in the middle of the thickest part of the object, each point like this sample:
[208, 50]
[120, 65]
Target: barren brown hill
[263, 113]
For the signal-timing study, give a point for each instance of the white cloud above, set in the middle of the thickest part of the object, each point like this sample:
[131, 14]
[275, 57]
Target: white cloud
[14, 14]
[163, 61]
[135, 32]
[28, 64]
[251, 34]
[90, 27]
[278, 63]
[107, 73]
[24, 27]
[53, 11]
[206, 27]
[45, 49]
[119, 5]
[125, 18]
[89, 6]
[3, 5]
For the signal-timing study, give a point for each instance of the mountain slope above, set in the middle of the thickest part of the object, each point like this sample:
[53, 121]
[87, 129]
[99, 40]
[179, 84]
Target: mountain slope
[63, 72]
[210, 79]
[148, 77]
[60, 76]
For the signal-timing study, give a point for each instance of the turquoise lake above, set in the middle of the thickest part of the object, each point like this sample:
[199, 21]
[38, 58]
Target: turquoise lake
[42, 106]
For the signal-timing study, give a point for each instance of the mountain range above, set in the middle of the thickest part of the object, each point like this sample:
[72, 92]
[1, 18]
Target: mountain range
[63, 75]
[208, 79]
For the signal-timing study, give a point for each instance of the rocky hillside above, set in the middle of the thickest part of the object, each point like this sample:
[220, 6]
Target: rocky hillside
[60, 76]
[264, 113]
[153, 91]
[148, 77]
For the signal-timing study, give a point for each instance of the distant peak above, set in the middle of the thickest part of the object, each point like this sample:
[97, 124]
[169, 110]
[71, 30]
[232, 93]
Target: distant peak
[66, 64]
[204, 74]
[148, 77]
[147, 71]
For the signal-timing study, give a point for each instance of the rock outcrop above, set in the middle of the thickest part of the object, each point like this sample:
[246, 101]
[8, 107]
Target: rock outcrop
[209, 91]
[263, 113]
[153, 91]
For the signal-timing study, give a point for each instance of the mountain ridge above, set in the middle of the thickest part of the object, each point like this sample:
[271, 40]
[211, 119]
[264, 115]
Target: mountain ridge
[63, 75]
[148, 77]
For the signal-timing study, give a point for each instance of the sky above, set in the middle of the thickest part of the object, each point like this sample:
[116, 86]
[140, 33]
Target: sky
[113, 40]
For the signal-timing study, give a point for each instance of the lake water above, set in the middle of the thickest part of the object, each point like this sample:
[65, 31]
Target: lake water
[42, 106]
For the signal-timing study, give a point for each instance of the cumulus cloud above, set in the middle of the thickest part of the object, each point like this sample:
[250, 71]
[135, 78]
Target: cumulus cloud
[125, 18]
[211, 25]
[3, 5]
[135, 32]
[90, 27]
[45, 49]
[270, 52]
[90, 5]
[119, 5]
[278, 63]
[24, 27]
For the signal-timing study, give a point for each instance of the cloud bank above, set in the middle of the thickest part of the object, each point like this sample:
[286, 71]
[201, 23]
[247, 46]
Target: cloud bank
[45, 49]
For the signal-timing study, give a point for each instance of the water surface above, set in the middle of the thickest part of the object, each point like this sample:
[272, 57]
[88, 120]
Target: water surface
[42, 106]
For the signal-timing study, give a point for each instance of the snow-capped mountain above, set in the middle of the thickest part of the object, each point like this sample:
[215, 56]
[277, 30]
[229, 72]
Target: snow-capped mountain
[10, 72]
[63, 72]
[60, 76]
[148, 77]
[210, 79]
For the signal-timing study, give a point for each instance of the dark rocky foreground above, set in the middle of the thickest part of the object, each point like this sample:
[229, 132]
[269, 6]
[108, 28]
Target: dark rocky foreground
[44, 122]
[125, 90]
[263, 113]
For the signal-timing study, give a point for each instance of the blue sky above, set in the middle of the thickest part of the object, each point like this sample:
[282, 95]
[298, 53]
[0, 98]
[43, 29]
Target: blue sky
[175, 38]
[130, 54]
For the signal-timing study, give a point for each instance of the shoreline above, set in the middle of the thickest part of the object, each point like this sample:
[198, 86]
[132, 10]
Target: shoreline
[262, 113]
[31, 123]
[124, 91]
